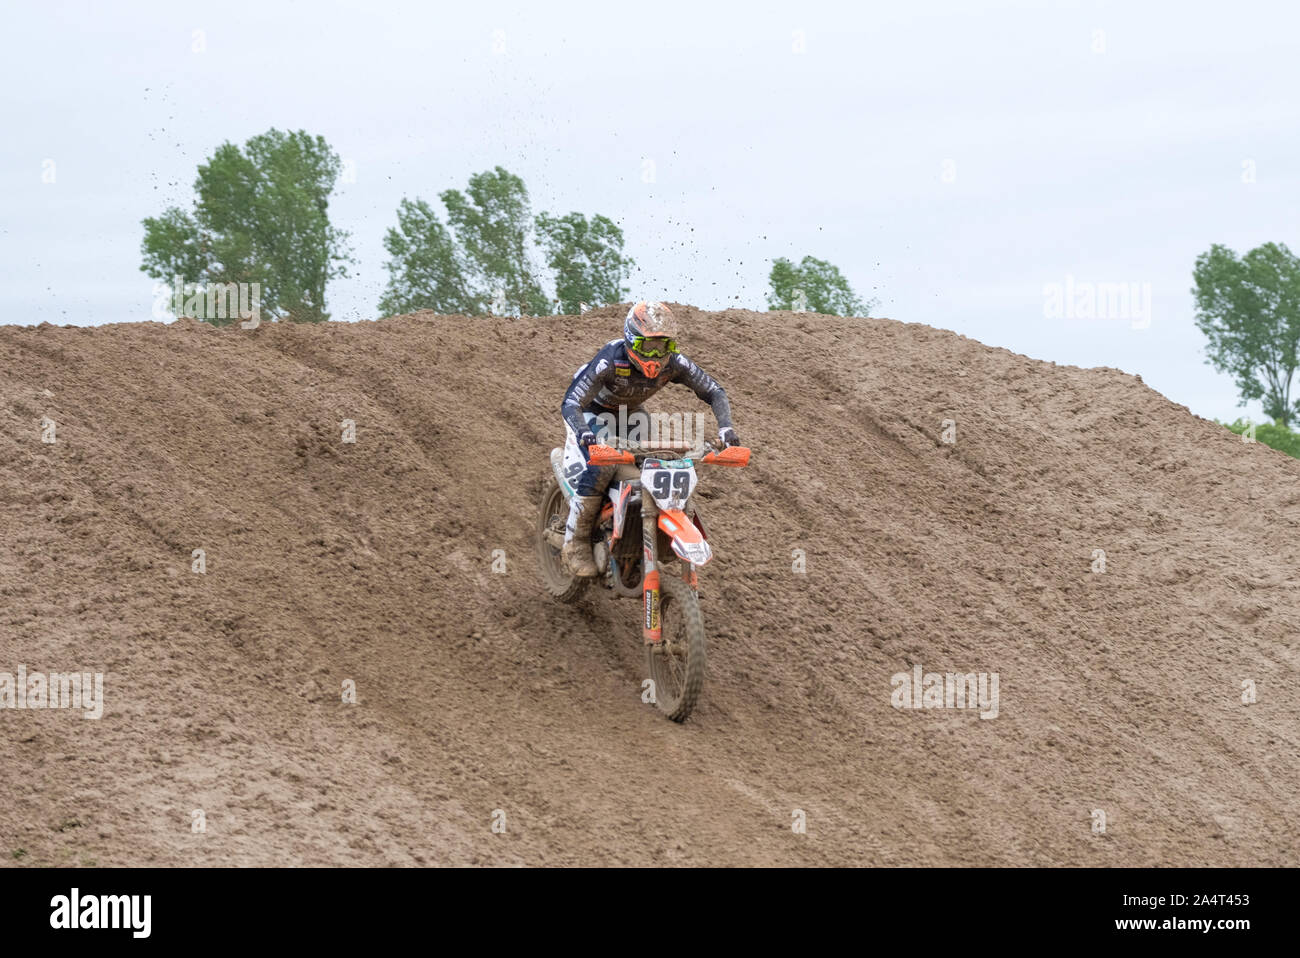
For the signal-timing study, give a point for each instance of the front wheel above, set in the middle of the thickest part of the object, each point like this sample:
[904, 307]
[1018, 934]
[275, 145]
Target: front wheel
[676, 663]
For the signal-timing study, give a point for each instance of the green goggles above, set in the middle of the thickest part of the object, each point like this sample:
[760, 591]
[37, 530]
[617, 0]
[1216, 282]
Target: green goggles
[654, 346]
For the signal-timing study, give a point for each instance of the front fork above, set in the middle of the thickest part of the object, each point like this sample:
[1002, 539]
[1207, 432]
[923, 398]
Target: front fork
[652, 628]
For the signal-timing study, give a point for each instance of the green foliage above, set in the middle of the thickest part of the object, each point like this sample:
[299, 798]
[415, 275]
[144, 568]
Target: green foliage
[481, 261]
[1249, 309]
[493, 224]
[426, 270]
[586, 257]
[260, 216]
[814, 285]
[1274, 435]
[173, 246]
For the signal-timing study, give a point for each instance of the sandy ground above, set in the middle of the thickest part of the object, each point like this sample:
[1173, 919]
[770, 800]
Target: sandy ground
[482, 701]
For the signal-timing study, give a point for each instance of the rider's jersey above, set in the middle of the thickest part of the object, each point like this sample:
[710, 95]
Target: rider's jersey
[612, 380]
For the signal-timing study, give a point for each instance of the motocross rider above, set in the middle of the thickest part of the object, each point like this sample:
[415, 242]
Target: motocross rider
[624, 373]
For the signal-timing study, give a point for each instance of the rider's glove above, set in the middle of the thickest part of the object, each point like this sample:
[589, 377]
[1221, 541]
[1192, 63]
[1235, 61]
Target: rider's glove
[586, 439]
[728, 436]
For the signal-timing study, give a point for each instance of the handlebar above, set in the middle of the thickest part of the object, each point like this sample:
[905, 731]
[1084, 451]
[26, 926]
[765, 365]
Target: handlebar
[647, 448]
[709, 453]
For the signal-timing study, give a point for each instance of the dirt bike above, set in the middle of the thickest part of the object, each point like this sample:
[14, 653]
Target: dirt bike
[651, 490]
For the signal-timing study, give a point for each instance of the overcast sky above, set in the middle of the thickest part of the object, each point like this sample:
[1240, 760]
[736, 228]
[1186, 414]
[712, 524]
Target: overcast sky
[954, 159]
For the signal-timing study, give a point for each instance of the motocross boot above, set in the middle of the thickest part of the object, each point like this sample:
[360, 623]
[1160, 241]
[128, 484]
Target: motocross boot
[576, 553]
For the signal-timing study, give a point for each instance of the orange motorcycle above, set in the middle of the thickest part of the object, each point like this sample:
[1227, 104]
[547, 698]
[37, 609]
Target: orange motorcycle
[651, 491]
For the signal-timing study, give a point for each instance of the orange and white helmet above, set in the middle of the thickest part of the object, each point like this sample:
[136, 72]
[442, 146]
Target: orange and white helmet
[650, 332]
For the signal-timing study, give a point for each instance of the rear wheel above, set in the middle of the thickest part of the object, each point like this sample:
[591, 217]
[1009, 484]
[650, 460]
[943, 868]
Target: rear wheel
[676, 663]
[552, 515]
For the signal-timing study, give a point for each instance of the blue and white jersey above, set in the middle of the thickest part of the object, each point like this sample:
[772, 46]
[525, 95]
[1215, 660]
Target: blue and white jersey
[612, 380]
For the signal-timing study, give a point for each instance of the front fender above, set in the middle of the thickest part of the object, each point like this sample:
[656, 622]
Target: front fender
[619, 497]
[688, 541]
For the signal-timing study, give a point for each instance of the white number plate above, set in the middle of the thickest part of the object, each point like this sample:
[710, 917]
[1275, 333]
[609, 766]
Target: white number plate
[669, 483]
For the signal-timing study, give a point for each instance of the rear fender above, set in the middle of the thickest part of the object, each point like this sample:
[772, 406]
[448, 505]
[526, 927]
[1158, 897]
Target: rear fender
[687, 539]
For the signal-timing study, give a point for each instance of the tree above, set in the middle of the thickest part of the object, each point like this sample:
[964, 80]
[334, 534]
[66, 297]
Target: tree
[587, 258]
[1249, 309]
[482, 260]
[814, 285]
[260, 216]
[493, 225]
[426, 270]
